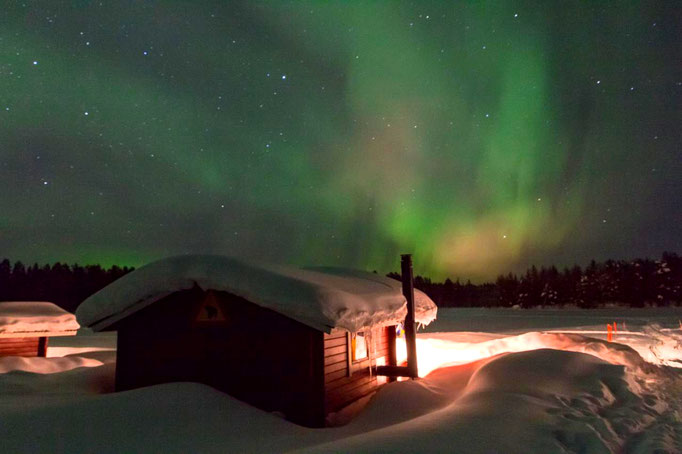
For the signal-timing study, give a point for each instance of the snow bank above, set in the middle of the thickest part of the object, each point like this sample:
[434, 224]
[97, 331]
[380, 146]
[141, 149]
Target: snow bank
[169, 418]
[323, 298]
[24, 318]
[547, 401]
[35, 383]
[436, 350]
[535, 399]
[40, 365]
[84, 341]
[654, 333]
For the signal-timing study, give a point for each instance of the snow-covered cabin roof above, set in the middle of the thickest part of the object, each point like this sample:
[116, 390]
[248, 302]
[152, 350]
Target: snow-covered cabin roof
[31, 319]
[322, 298]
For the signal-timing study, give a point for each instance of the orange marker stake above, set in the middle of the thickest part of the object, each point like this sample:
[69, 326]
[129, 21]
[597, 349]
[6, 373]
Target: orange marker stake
[609, 333]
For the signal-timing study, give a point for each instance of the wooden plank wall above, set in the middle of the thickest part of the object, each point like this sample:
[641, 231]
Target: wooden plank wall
[335, 356]
[256, 355]
[342, 387]
[19, 346]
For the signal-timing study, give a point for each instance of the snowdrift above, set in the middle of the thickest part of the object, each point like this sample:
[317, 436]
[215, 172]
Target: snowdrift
[549, 400]
[591, 396]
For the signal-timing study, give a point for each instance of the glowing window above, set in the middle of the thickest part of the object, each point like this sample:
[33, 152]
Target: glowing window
[358, 346]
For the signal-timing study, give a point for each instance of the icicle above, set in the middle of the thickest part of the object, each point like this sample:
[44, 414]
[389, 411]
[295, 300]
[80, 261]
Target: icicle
[370, 351]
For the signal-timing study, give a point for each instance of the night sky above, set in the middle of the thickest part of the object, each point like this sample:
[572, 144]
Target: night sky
[481, 136]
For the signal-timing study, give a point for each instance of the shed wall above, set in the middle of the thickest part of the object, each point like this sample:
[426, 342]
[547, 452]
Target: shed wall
[23, 346]
[255, 355]
[347, 381]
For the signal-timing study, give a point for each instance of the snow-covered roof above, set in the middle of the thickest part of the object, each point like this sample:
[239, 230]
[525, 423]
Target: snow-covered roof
[322, 298]
[29, 319]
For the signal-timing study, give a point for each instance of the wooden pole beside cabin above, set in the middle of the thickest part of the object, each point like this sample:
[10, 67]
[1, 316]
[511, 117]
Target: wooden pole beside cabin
[410, 325]
[42, 347]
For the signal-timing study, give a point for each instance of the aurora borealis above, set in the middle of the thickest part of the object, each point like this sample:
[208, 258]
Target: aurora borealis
[481, 136]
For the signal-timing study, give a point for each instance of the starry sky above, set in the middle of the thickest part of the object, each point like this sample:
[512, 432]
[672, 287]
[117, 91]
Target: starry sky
[481, 136]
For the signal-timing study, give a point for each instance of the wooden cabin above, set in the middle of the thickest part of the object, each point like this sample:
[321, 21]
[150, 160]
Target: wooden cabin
[264, 336]
[25, 327]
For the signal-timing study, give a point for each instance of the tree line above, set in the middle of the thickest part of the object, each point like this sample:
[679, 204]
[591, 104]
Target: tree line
[635, 283]
[65, 285]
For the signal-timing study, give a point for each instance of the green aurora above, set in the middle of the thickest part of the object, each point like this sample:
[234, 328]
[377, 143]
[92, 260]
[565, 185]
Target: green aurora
[481, 136]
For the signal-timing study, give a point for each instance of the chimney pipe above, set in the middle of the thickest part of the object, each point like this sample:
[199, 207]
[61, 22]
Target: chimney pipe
[410, 325]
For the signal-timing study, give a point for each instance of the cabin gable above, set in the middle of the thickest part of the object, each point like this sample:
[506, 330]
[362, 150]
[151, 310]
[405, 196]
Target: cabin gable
[252, 353]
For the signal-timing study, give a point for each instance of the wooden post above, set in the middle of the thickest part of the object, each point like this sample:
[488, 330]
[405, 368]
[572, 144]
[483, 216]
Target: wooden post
[410, 326]
[392, 359]
[349, 354]
[42, 347]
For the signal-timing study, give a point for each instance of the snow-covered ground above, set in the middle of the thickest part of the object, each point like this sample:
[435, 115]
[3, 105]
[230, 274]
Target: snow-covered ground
[507, 381]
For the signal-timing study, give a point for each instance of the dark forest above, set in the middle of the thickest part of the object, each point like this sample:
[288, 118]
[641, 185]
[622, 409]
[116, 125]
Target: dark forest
[636, 283]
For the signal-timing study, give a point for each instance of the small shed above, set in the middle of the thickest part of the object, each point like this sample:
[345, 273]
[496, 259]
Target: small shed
[301, 342]
[25, 327]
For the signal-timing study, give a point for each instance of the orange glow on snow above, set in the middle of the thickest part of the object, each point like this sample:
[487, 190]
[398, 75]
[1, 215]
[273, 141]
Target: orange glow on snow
[435, 353]
[436, 350]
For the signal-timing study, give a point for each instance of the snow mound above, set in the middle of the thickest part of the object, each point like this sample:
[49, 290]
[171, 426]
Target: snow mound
[85, 341]
[665, 345]
[554, 393]
[322, 298]
[19, 318]
[40, 365]
[169, 418]
[36, 384]
[544, 400]
[442, 349]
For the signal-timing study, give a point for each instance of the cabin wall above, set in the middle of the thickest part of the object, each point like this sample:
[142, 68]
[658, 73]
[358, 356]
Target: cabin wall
[255, 354]
[345, 380]
[23, 346]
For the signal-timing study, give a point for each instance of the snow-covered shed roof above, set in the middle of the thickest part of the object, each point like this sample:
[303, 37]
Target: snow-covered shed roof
[322, 298]
[32, 319]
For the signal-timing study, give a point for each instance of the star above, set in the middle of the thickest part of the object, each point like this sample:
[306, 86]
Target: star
[160, 132]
